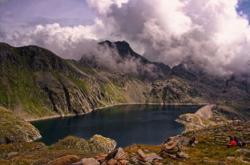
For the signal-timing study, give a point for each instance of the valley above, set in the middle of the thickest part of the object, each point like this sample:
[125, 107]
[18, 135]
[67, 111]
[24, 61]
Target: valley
[37, 84]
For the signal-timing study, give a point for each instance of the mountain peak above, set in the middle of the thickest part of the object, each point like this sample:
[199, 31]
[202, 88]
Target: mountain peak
[144, 68]
[124, 50]
[120, 43]
[124, 44]
[122, 47]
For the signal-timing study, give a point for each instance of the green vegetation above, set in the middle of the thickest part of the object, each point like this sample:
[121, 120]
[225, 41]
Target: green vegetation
[82, 84]
[20, 89]
[3, 95]
[115, 93]
[14, 129]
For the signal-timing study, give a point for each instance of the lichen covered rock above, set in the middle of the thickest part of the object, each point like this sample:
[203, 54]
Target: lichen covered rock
[104, 144]
[96, 144]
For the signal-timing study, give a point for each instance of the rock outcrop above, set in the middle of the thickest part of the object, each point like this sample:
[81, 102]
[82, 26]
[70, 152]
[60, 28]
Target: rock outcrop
[87, 161]
[67, 159]
[148, 157]
[116, 157]
[104, 144]
[96, 144]
[174, 147]
[14, 129]
[205, 117]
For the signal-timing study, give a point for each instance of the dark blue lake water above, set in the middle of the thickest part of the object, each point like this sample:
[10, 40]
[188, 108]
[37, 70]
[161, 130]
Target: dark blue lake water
[141, 124]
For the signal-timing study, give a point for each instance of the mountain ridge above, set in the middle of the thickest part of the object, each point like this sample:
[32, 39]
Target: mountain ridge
[36, 83]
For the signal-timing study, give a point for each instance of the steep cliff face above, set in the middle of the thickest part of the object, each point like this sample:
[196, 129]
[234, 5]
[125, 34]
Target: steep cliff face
[174, 90]
[35, 83]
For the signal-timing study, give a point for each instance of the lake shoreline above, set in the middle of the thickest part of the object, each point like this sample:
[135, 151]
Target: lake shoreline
[130, 119]
[108, 106]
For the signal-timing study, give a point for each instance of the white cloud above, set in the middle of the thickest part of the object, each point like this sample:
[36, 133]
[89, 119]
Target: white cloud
[210, 33]
[68, 42]
[103, 6]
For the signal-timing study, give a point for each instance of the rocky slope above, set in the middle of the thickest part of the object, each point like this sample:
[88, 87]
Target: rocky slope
[36, 83]
[64, 152]
[204, 141]
[14, 129]
[209, 147]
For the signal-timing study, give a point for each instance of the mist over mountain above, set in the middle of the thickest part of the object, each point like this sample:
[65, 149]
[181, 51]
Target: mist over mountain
[139, 67]
[211, 35]
[120, 57]
[171, 52]
[35, 82]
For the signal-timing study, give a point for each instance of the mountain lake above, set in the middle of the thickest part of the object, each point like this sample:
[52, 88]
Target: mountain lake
[127, 124]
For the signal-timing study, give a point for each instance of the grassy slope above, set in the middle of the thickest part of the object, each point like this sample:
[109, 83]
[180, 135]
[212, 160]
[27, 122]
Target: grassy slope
[23, 70]
[14, 129]
[21, 93]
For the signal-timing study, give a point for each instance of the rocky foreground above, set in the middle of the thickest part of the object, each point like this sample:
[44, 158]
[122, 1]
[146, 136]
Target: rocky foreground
[14, 129]
[203, 142]
[209, 147]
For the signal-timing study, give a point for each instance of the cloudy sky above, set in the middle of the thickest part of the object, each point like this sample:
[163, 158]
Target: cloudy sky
[16, 14]
[212, 34]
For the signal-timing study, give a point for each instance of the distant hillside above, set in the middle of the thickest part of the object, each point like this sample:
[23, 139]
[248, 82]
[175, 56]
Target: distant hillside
[35, 83]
